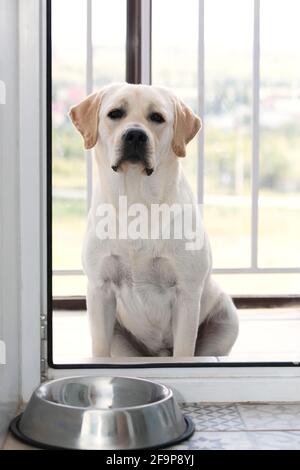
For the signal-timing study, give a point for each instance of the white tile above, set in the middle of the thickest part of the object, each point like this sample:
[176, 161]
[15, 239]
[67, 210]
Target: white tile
[217, 441]
[270, 416]
[276, 440]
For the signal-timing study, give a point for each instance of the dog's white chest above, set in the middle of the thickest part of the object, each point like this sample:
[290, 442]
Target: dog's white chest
[144, 302]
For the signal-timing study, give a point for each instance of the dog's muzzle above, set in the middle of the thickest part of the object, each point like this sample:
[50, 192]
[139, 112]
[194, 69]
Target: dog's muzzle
[135, 148]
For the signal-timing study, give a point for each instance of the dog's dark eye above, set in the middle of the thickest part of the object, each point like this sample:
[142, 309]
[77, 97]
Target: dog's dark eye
[156, 117]
[116, 114]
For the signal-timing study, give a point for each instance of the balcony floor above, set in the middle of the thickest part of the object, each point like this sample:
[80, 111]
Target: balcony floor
[265, 335]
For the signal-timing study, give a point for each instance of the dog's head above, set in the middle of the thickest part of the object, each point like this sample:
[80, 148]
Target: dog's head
[135, 125]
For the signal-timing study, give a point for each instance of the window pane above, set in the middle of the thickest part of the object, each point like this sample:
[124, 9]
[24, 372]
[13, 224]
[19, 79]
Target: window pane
[279, 218]
[175, 59]
[228, 103]
[69, 88]
[69, 286]
[109, 41]
[69, 167]
[228, 107]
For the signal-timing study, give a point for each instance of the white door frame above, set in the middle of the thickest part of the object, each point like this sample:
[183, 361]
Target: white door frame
[32, 77]
[214, 384]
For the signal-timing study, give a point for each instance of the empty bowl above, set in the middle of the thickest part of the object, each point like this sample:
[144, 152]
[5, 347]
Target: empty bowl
[94, 413]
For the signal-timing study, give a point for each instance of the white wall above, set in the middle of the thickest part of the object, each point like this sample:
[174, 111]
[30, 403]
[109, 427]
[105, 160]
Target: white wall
[9, 214]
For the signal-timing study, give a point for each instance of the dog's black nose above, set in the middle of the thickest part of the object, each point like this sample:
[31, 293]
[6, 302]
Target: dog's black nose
[135, 137]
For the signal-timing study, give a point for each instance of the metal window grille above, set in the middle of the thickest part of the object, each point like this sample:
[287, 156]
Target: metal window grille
[138, 70]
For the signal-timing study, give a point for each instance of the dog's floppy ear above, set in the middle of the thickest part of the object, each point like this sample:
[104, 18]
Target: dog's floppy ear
[186, 126]
[85, 117]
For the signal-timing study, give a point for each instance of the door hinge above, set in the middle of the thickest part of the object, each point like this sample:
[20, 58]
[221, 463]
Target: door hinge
[44, 348]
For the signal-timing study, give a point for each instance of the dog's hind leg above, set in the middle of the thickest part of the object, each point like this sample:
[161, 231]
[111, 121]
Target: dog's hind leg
[218, 333]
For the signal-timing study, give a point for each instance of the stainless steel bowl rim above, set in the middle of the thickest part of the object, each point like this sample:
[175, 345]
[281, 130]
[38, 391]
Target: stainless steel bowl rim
[124, 408]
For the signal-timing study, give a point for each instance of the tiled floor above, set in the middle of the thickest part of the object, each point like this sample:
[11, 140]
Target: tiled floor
[244, 426]
[235, 426]
[269, 334]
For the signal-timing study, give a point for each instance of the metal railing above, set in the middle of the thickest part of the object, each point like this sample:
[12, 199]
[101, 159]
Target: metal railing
[138, 50]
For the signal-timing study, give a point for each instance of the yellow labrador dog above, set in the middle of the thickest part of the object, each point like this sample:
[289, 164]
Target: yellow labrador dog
[147, 297]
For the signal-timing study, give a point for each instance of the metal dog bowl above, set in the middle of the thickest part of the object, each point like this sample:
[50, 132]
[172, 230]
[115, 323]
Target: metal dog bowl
[93, 413]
